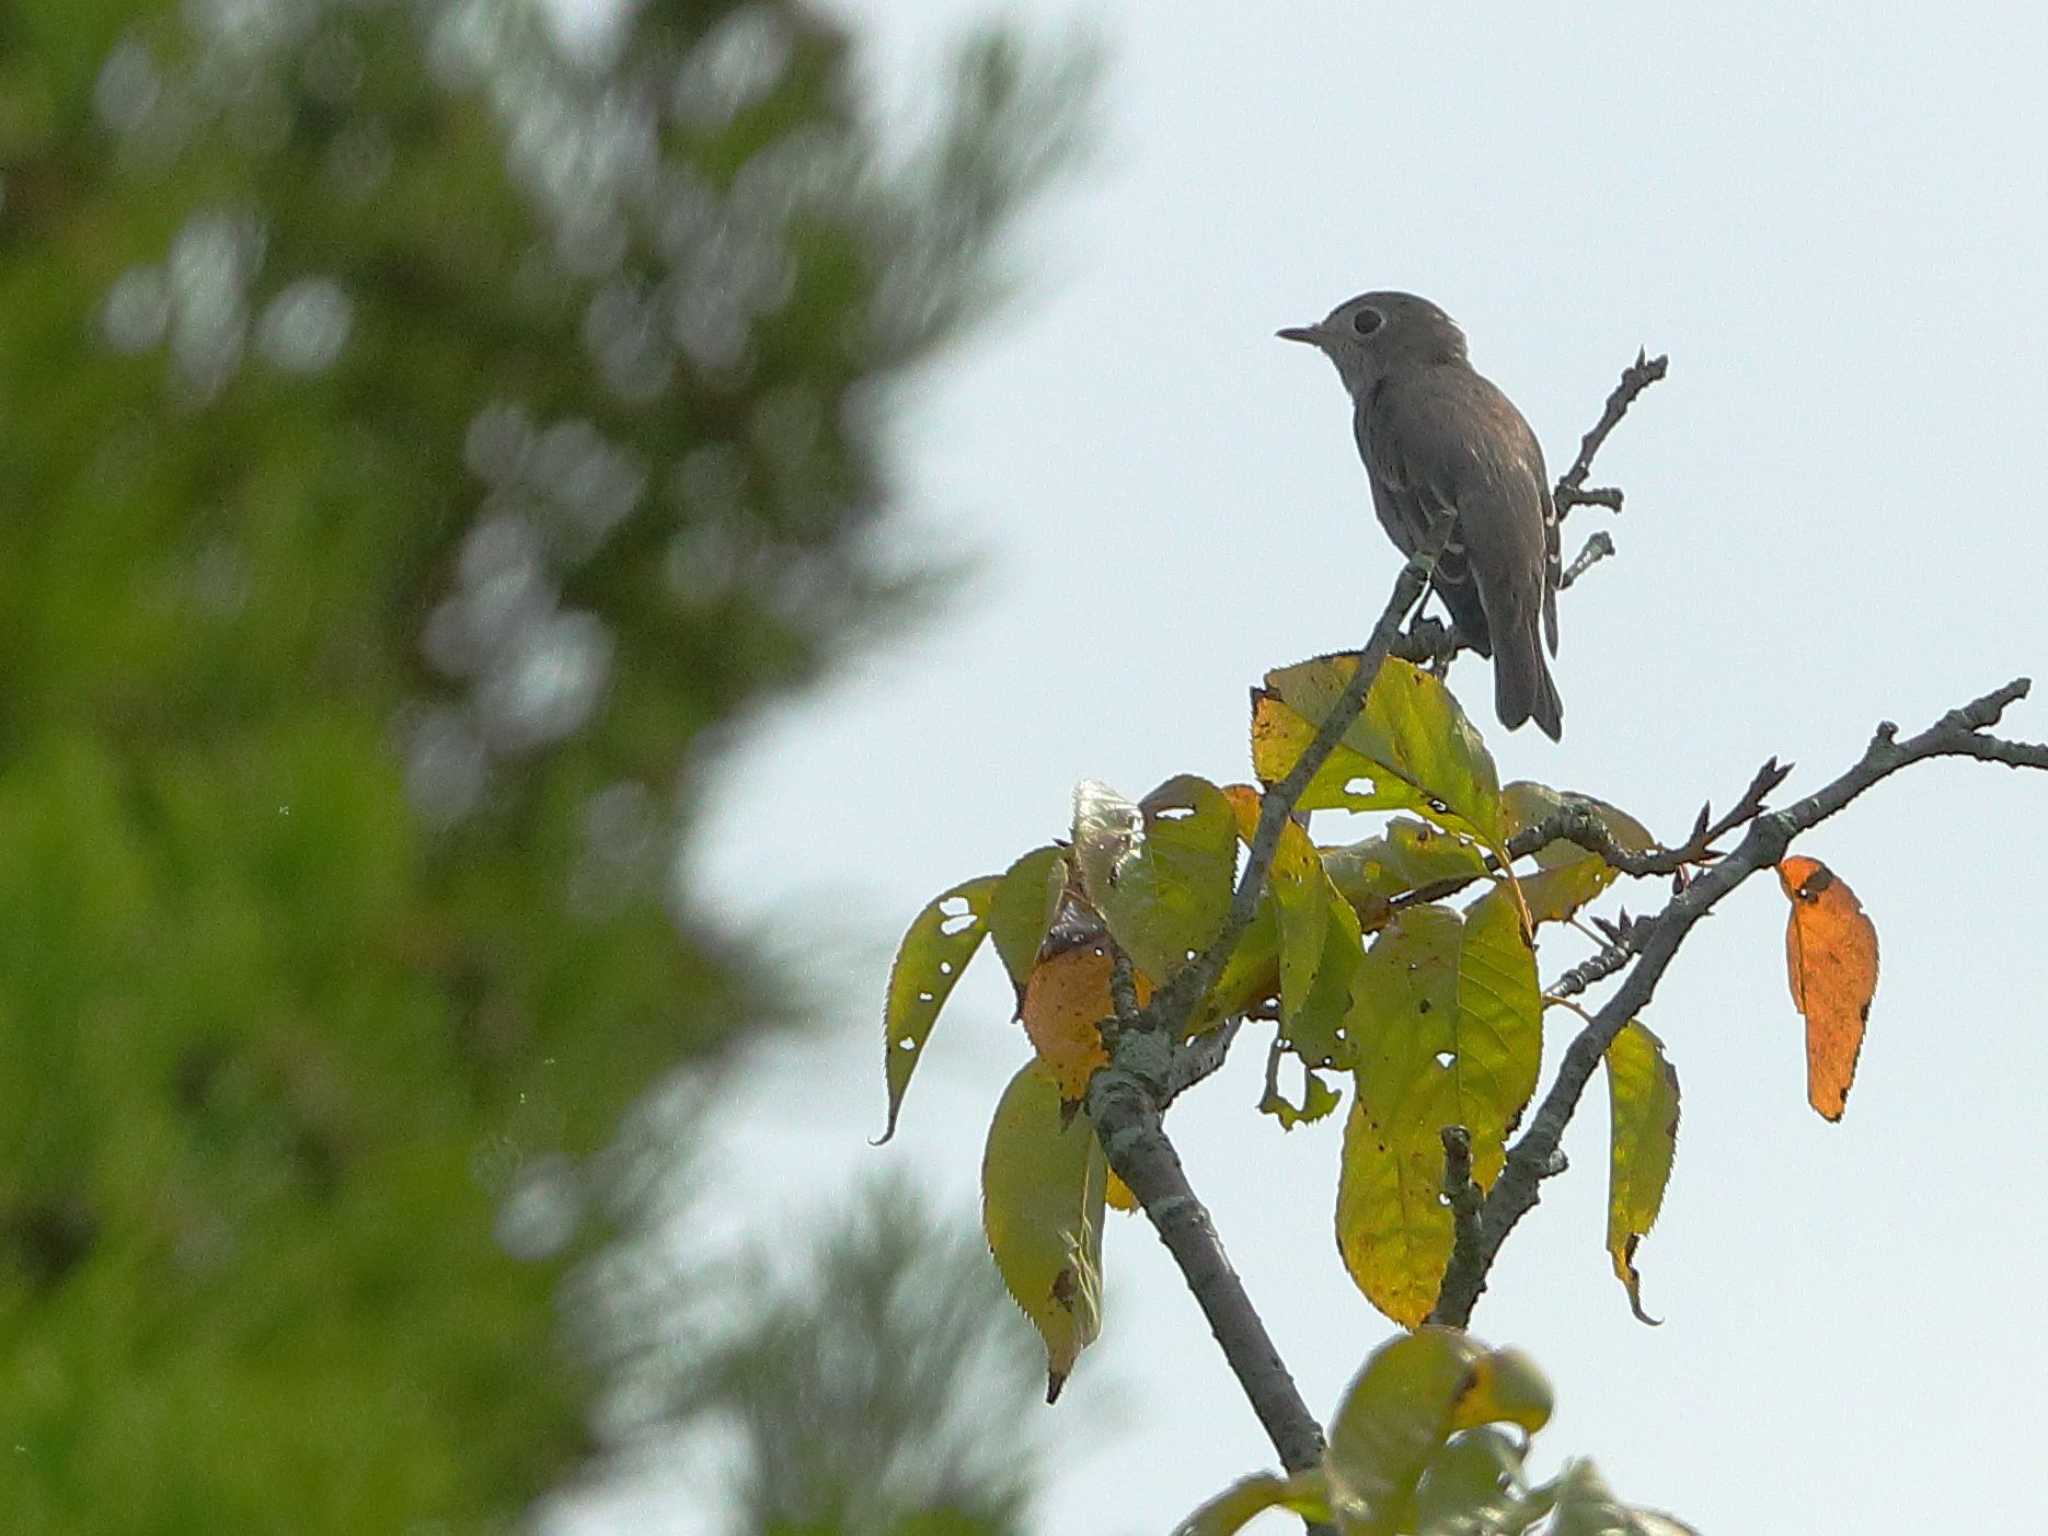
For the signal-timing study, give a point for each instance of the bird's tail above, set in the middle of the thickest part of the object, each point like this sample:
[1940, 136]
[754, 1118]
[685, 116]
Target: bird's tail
[1522, 688]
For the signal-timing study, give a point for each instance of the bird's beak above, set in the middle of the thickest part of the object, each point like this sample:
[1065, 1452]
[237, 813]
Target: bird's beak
[1312, 334]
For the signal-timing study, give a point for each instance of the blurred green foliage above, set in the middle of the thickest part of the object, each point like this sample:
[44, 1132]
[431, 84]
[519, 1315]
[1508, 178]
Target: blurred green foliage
[414, 445]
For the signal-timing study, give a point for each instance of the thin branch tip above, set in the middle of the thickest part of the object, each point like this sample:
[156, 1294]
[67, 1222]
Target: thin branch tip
[1653, 943]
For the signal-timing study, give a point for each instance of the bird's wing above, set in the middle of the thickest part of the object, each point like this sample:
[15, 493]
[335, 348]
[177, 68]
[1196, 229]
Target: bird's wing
[1406, 502]
[1447, 437]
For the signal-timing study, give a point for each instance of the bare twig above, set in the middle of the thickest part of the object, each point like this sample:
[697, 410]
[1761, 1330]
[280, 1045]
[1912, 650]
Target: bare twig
[1570, 491]
[1534, 1157]
[1200, 1057]
[1578, 822]
[1598, 548]
[1602, 964]
[1581, 825]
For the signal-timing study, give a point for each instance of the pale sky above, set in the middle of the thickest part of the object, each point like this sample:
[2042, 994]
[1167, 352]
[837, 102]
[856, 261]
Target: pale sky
[1831, 217]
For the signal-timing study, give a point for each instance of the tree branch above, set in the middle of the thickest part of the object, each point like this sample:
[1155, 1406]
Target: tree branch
[1577, 822]
[1466, 1202]
[1623, 940]
[1149, 1066]
[1570, 490]
[1431, 642]
[1599, 547]
[1125, 1112]
[1535, 1156]
[1201, 1057]
[1174, 1004]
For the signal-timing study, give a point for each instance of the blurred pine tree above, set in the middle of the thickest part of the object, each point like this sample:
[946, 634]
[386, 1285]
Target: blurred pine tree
[414, 445]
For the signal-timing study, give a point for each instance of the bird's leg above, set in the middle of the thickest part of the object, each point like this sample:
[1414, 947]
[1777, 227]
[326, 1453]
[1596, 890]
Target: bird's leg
[1440, 662]
[1442, 533]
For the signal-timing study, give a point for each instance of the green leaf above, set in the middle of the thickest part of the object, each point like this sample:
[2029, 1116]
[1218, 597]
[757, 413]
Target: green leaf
[941, 941]
[1318, 1098]
[1567, 876]
[1526, 803]
[1407, 856]
[1505, 1387]
[1394, 1418]
[1243, 1501]
[1470, 1487]
[1582, 1504]
[1321, 946]
[1252, 973]
[1401, 1409]
[1412, 743]
[1160, 872]
[1642, 1097]
[1022, 910]
[1448, 1024]
[1556, 895]
[1043, 1178]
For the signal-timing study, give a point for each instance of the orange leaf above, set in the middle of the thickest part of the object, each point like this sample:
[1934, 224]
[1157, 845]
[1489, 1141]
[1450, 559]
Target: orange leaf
[1831, 954]
[1066, 998]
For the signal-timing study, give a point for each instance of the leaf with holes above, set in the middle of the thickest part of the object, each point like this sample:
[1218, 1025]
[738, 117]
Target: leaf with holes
[1318, 1098]
[929, 961]
[1409, 855]
[1320, 943]
[1642, 1098]
[1022, 908]
[1065, 1001]
[1831, 955]
[1418, 751]
[1447, 1021]
[1160, 872]
[1043, 1181]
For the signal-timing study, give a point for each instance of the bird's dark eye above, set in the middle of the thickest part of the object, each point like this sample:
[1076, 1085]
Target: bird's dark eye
[1366, 321]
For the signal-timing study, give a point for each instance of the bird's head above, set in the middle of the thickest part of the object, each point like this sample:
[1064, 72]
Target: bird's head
[1367, 336]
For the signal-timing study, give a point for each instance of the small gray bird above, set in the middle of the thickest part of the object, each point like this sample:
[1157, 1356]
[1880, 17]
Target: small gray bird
[1438, 438]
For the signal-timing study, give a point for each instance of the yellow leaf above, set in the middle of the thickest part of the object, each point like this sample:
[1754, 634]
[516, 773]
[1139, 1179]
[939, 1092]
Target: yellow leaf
[941, 941]
[1448, 1024]
[1411, 742]
[1066, 998]
[1642, 1096]
[1043, 1180]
